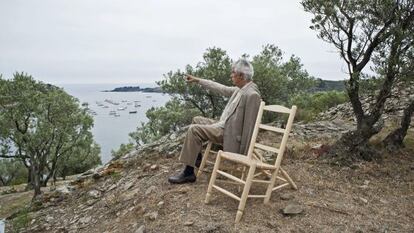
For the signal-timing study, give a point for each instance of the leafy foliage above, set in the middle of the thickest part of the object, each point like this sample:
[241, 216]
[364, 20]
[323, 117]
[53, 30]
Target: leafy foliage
[278, 81]
[216, 66]
[162, 120]
[12, 172]
[80, 159]
[42, 126]
[123, 150]
[310, 104]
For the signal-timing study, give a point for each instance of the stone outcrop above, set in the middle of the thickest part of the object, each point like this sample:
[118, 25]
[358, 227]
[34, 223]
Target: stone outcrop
[401, 95]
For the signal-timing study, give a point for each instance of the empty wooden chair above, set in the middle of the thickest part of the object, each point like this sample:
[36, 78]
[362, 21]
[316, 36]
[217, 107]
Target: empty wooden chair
[258, 170]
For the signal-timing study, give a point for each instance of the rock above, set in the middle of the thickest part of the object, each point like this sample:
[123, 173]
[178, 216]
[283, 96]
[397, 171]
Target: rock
[95, 194]
[362, 200]
[173, 136]
[188, 223]
[141, 229]
[64, 189]
[112, 187]
[146, 167]
[152, 215]
[91, 202]
[161, 203]
[125, 196]
[273, 225]
[128, 185]
[287, 196]
[384, 201]
[316, 147]
[85, 220]
[154, 167]
[150, 190]
[292, 209]
[49, 218]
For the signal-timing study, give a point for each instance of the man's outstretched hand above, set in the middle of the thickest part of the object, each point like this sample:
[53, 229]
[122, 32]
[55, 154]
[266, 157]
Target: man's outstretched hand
[191, 79]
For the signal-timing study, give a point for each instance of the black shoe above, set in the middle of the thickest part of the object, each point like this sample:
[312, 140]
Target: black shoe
[198, 161]
[181, 178]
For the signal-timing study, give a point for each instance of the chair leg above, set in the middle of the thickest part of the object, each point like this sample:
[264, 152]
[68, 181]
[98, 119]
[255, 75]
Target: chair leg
[204, 160]
[270, 186]
[287, 177]
[213, 178]
[243, 175]
[245, 193]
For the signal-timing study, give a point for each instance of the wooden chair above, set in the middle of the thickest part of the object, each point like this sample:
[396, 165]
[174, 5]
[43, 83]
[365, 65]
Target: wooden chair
[254, 163]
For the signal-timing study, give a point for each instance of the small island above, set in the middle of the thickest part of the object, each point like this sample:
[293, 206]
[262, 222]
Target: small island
[136, 89]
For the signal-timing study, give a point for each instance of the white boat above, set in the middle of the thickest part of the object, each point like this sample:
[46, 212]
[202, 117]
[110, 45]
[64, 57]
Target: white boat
[121, 108]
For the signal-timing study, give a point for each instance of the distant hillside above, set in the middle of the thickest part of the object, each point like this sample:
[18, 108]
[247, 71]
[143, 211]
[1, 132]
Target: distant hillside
[135, 89]
[328, 85]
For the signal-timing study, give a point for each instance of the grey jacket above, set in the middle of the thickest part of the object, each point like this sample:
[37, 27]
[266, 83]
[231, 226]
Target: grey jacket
[238, 128]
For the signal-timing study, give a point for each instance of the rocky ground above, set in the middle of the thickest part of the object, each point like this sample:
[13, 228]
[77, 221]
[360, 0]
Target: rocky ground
[132, 195]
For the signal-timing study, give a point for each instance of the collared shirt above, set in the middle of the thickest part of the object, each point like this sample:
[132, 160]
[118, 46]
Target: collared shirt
[231, 106]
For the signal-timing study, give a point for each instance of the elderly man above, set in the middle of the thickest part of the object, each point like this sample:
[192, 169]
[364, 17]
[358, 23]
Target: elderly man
[235, 126]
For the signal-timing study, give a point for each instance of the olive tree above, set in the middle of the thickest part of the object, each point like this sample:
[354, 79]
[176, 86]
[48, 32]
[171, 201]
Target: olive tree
[362, 30]
[40, 124]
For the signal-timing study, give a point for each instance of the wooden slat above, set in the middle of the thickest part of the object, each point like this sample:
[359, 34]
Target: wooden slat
[280, 178]
[226, 192]
[277, 108]
[268, 148]
[228, 182]
[272, 128]
[262, 181]
[231, 177]
[280, 186]
[257, 174]
[256, 196]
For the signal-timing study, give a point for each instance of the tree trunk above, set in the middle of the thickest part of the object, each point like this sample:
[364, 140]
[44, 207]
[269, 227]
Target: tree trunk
[354, 144]
[30, 179]
[44, 181]
[35, 174]
[395, 139]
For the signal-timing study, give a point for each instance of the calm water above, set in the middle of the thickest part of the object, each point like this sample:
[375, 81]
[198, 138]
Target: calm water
[110, 131]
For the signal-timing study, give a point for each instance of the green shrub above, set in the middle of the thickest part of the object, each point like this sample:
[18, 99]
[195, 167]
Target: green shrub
[311, 104]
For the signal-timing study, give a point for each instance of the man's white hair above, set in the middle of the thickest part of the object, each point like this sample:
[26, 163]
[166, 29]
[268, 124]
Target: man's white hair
[245, 68]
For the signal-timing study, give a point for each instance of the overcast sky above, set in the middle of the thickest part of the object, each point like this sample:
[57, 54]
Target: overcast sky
[137, 41]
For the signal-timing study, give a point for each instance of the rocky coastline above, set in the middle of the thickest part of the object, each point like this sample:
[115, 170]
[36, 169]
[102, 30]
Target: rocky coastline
[136, 89]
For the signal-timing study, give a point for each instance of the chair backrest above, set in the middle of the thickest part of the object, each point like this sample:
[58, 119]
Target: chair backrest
[285, 132]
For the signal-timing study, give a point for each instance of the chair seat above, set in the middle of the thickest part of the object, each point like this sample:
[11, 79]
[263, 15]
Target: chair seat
[245, 160]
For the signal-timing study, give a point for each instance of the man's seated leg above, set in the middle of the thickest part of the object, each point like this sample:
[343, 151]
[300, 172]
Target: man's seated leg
[198, 160]
[196, 135]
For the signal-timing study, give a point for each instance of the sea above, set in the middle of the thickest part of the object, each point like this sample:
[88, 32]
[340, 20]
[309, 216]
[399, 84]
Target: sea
[114, 112]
